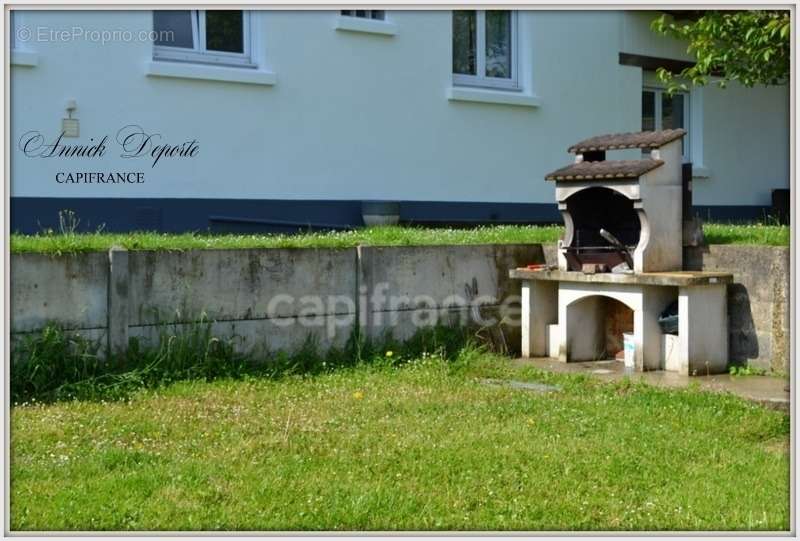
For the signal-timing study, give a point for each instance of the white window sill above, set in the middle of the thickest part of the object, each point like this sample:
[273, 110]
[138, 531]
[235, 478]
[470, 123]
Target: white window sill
[24, 58]
[366, 26]
[701, 172]
[484, 95]
[186, 70]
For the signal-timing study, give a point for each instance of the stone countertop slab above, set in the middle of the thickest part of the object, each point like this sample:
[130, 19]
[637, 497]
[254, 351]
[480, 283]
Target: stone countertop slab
[675, 278]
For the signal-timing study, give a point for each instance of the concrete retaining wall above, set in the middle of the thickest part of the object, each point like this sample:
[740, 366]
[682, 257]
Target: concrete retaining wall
[267, 299]
[451, 285]
[71, 291]
[259, 296]
[275, 299]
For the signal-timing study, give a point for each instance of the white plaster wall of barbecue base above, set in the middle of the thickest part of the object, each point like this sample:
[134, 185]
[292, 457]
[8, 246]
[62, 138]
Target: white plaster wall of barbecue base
[579, 326]
[540, 310]
[703, 329]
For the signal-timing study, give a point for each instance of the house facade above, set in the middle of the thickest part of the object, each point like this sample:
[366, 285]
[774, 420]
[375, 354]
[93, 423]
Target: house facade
[268, 120]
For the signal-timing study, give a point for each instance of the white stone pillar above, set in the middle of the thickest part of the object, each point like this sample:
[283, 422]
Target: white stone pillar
[703, 329]
[539, 309]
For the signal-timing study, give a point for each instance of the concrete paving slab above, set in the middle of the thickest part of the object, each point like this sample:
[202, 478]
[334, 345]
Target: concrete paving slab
[769, 391]
[523, 385]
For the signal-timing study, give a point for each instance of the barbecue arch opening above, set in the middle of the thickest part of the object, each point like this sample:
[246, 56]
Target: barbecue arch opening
[595, 328]
[597, 208]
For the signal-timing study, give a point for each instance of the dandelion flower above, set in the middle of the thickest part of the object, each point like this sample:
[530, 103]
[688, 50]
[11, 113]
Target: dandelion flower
[389, 353]
[358, 395]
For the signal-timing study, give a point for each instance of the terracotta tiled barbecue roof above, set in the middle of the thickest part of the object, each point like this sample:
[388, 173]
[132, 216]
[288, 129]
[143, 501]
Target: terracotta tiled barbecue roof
[616, 141]
[604, 170]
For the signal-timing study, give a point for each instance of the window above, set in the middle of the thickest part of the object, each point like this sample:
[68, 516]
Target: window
[13, 23]
[365, 21]
[214, 37]
[376, 14]
[485, 49]
[660, 111]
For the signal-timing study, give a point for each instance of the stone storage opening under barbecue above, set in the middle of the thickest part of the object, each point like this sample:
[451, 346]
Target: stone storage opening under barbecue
[622, 251]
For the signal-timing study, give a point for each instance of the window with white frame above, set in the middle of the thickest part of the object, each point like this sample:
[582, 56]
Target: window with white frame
[662, 111]
[485, 49]
[376, 14]
[213, 37]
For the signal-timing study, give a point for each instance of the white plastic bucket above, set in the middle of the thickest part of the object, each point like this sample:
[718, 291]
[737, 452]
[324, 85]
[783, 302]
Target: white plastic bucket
[629, 346]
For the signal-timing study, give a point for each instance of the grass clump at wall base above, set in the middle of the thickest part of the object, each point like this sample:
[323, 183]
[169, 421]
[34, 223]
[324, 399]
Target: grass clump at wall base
[62, 365]
[41, 363]
[58, 365]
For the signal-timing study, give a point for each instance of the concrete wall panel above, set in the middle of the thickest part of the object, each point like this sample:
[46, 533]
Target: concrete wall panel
[240, 284]
[263, 336]
[405, 283]
[70, 290]
[235, 287]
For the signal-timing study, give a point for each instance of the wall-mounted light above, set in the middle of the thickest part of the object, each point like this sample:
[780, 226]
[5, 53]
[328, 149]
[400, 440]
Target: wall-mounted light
[70, 126]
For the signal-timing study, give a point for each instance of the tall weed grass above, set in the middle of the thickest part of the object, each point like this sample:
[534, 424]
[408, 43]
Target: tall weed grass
[56, 365]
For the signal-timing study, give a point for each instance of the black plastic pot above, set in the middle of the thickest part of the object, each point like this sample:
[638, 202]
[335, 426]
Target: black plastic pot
[668, 320]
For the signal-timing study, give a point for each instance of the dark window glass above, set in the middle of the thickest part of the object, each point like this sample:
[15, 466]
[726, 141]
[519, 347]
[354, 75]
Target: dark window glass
[648, 110]
[464, 42]
[377, 14]
[672, 114]
[225, 31]
[173, 28]
[672, 111]
[498, 44]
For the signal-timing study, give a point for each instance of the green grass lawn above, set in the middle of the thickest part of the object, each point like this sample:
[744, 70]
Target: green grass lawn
[376, 236]
[424, 446]
[764, 234]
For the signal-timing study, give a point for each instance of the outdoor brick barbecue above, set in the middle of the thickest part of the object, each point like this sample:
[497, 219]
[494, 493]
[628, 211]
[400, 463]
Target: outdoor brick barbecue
[622, 252]
[637, 201]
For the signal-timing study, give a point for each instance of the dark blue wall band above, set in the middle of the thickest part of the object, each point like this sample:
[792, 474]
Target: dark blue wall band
[35, 214]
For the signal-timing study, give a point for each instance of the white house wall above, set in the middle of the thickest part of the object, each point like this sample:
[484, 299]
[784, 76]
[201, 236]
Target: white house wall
[740, 152]
[746, 145]
[355, 116]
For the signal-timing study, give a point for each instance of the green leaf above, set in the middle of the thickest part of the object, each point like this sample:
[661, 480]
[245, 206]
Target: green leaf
[752, 47]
